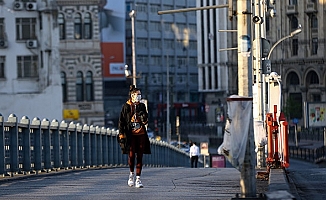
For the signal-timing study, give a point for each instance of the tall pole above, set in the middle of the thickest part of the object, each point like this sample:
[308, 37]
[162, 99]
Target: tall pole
[258, 92]
[132, 16]
[247, 173]
[168, 136]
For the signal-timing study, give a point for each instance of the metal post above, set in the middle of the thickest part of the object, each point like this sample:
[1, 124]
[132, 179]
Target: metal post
[324, 136]
[132, 16]
[167, 101]
[247, 175]
[258, 91]
[296, 135]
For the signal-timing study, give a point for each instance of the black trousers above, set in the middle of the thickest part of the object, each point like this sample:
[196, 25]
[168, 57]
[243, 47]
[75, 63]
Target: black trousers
[194, 159]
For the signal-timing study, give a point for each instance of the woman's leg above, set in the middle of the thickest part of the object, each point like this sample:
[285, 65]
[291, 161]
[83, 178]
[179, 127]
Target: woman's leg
[131, 156]
[141, 140]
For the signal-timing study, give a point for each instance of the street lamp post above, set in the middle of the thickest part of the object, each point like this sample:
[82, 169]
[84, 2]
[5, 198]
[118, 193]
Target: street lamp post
[132, 15]
[293, 33]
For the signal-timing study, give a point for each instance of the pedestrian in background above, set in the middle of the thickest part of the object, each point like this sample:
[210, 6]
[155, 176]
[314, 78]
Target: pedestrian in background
[133, 136]
[194, 153]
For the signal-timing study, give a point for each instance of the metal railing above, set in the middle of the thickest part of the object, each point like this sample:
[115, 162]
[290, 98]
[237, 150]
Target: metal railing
[313, 153]
[34, 146]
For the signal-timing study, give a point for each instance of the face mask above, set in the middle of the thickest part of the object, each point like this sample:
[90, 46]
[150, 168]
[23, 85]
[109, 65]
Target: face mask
[136, 98]
[139, 97]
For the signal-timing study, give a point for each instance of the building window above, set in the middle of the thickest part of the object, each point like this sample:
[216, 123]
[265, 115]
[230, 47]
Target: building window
[156, 44]
[25, 28]
[293, 2]
[89, 86]
[64, 86]
[142, 43]
[2, 66]
[87, 26]
[169, 44]
[294, 23]
[27, 66]
[154, 8]
[314, 22]
[79, 87]
[62, 26]
[293, 79]
[141, 8]
[314, 46]
[78, 26]
[2, 28]
[315, 98]
[156, 60]
[295, 47]
[155, 26]
[312, 78]
[142, 25]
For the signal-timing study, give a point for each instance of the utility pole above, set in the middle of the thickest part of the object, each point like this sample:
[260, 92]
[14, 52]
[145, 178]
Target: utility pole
[247, 173]
[132, 15]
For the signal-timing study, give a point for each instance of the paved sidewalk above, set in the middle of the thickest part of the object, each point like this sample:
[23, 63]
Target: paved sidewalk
[159, 183]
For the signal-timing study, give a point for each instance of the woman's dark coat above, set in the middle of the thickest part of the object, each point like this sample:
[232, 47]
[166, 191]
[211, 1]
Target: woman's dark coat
[125, 126]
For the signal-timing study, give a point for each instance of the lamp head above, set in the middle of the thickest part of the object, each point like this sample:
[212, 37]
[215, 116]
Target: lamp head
[297, 31]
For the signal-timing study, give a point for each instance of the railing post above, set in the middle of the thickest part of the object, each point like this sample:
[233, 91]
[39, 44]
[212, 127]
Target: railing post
[2, 143]
[65, 143]
[110, 146]
[99, 154]
[116, 152]
[13, 131]
[87, 145]
[56, 144]
[72, 133]
[45, 127]
[92, 132]
[105, 149]
[80, 146]
[26, 144]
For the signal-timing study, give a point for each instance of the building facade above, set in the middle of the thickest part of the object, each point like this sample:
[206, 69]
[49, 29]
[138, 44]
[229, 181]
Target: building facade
[300, 59]
[214, 77]
[29, 60]
[80, 61]
[166, 60]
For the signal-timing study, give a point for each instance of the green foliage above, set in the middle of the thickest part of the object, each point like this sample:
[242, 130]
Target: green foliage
[292, 109]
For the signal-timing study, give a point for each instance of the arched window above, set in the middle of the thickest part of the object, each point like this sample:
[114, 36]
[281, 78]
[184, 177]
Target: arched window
[87, 26]
[314, 21]
[294, 23]
[64, 86]
[293, 79]
[78, 26]
[79, 87]
[89, 86]
[62, 26]
[312, 78]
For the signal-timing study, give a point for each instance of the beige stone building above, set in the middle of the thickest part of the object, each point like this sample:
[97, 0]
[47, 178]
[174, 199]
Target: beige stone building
[80, 52]
[300, 60]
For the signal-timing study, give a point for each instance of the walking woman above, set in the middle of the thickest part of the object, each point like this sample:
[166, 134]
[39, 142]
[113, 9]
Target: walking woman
[133, 136]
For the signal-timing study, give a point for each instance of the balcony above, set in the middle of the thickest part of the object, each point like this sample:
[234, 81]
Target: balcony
[311, 8]
[292, 9]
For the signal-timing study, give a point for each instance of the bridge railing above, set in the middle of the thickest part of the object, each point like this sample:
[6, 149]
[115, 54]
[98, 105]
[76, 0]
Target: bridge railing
[40, 145]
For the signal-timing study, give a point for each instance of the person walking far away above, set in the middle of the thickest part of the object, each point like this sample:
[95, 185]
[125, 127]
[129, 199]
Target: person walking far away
[194, 153]
[133, 138]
